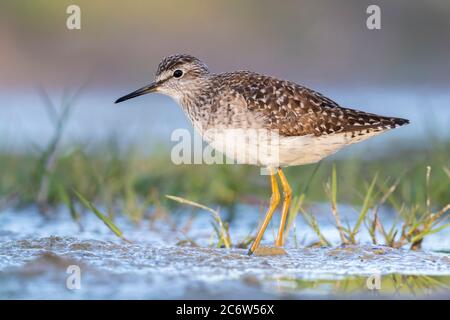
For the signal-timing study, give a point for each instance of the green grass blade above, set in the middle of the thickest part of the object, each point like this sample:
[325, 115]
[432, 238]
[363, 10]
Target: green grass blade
[101, 216]
[334, 186]
[366, 205]
[429, 232]
[192, 203]
[67, 200]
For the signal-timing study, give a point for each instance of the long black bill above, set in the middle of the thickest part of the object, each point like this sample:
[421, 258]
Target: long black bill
[147, 89]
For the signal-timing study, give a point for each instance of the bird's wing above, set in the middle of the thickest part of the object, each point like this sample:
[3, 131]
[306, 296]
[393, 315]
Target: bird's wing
[295, 110]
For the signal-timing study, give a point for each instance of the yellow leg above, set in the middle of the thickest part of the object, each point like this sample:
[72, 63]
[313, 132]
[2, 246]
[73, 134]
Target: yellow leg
[274, 201]
[287, 192]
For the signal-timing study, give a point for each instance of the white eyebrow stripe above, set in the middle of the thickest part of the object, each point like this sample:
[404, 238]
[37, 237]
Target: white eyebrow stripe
[164, 76]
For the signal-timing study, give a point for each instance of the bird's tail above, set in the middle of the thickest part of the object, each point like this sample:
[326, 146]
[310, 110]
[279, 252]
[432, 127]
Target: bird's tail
[359, 120]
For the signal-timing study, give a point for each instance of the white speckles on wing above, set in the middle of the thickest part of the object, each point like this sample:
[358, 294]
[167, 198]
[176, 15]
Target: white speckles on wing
[296, 110]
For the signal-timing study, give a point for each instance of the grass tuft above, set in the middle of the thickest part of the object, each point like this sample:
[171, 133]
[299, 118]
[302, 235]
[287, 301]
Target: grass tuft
[221, 228]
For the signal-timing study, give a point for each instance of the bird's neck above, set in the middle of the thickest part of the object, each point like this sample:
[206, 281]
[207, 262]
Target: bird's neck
[196, 100]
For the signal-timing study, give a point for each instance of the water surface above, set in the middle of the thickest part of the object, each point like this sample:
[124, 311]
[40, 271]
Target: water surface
[35, 253]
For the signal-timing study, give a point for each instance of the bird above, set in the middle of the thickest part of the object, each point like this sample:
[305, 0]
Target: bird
[294, 125]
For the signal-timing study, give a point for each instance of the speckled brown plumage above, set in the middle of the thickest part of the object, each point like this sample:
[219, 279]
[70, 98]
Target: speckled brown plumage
[308, 125]
[289, 108]
[172, 62]
[295, 110]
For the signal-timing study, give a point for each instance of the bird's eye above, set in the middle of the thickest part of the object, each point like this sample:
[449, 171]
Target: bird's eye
[177, 73]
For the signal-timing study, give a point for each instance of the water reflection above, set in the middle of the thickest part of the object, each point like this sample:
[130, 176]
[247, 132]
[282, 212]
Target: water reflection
[394, 285]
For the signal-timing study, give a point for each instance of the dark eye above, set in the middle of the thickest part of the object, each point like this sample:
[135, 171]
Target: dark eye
[177, 73]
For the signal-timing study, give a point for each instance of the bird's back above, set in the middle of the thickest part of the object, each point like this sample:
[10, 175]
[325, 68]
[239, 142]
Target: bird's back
[294, 110]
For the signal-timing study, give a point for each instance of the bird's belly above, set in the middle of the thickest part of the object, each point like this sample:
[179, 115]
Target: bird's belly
[245, 146]
[266, 148]
[299, 150]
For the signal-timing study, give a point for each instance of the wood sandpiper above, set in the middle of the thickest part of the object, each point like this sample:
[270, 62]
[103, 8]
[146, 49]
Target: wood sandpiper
[304, 125]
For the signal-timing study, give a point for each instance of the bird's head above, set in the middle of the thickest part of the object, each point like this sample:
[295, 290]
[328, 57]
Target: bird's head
[175, 75]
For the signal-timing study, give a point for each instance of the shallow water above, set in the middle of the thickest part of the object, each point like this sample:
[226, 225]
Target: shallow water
[35, 253]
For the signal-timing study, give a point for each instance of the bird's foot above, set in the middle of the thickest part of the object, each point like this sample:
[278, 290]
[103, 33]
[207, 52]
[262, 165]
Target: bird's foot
[268, 251]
